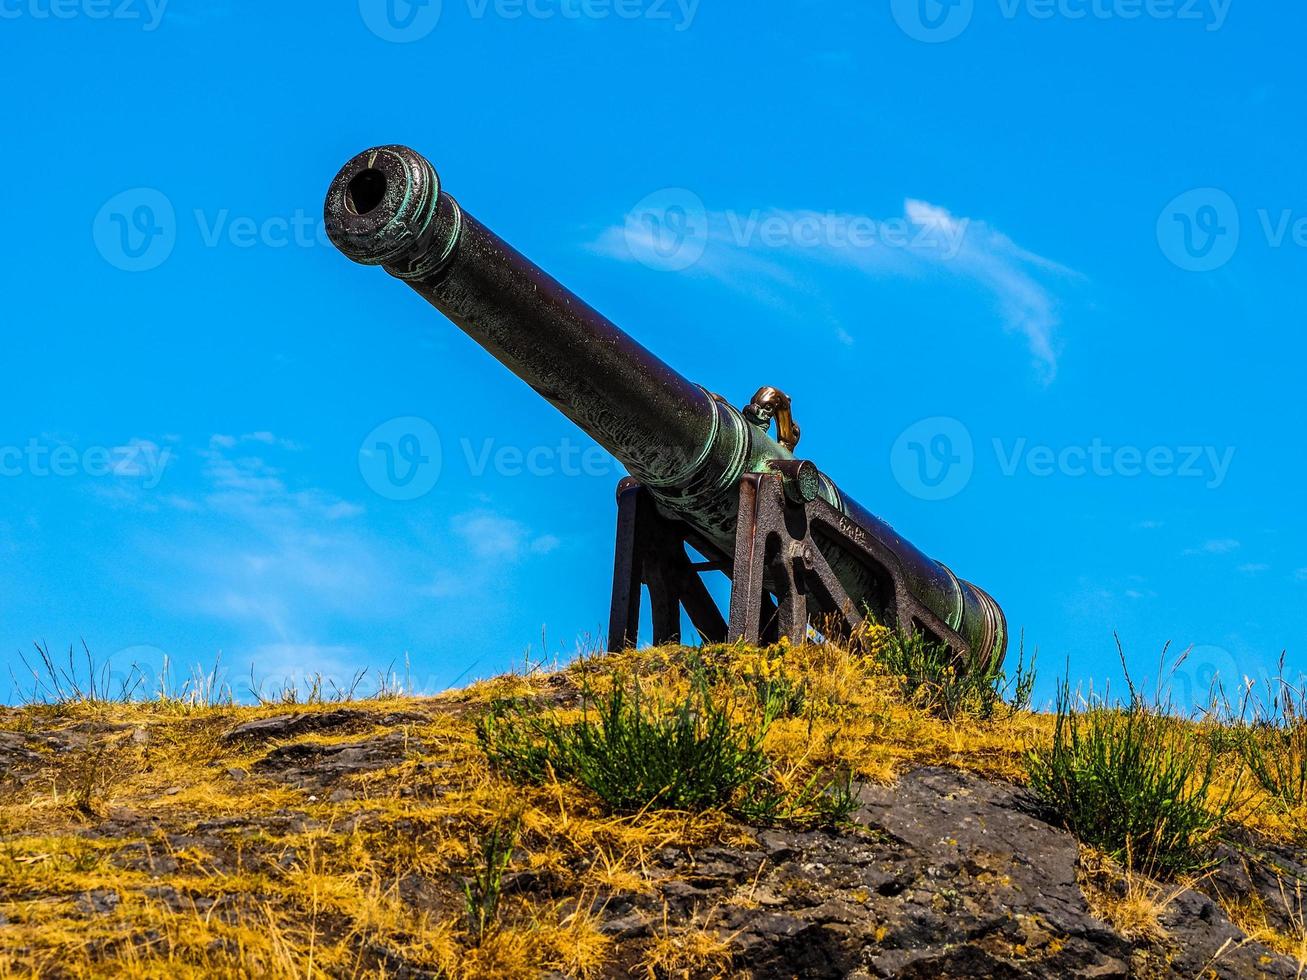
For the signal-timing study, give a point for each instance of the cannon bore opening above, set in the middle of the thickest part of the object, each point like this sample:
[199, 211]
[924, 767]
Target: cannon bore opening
[365, 191]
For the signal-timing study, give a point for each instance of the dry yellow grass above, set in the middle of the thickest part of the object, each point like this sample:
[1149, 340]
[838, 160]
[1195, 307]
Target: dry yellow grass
[687, 954]
[152, 846]
[1132, 903]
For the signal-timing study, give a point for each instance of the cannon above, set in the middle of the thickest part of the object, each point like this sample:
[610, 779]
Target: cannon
[710, 487]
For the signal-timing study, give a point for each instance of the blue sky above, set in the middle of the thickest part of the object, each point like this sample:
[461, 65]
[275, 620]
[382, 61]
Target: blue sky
[1031, 270]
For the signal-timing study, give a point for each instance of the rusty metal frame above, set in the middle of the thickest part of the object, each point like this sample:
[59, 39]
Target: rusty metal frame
[651, 552]
[780, 578]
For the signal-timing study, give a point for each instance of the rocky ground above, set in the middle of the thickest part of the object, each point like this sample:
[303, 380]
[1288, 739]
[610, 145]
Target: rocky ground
[944, 873]
[948, 875]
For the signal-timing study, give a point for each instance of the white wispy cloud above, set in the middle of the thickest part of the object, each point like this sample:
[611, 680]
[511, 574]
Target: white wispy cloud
[277, 661]
[1254, 568]
[286, 570]
[1012, 274]
[757, 251]
[271, 439]
[1216, 546]
[495, 542]
[272, 559]
[493, 536]
[248, 482]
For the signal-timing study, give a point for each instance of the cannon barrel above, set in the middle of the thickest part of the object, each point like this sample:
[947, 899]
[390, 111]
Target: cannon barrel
[688, 447]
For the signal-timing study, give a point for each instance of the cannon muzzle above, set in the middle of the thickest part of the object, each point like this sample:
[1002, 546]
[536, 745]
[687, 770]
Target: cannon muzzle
[687, 448]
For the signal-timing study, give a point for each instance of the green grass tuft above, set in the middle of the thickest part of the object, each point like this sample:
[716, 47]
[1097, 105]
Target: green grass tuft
[1134, 782]
[932, 679]
[484, 885]
[635, 753]
[1274, 746]
[631, 752]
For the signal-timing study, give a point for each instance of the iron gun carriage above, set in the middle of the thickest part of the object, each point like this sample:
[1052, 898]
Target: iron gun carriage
[704, 474]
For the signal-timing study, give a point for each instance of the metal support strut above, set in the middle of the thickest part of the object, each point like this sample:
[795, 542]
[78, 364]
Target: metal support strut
[780, 576]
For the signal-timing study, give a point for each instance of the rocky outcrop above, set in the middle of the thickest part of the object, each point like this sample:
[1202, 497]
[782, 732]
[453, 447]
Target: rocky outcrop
[948, 876]
[295, 724]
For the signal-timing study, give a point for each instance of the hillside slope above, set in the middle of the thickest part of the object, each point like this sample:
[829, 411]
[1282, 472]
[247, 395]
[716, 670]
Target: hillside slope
[374, 838]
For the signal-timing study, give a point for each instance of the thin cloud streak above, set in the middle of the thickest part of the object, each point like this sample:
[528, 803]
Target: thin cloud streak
[743, 251]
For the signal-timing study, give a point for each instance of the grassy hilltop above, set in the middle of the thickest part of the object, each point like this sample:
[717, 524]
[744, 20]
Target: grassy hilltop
[813, 811]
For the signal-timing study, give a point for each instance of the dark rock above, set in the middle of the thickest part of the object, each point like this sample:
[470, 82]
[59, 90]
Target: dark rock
[778, 846]
[949, 876]
[397, 966]
[16, 748]
[306, 722]
[1258, 872]
[1203, 942]
[98, 727]
[684, 891]
[176, 901]
[100, 901]
[532, 881]
[632, 926]
[428, 894]
[311, 764]
[776, 925]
